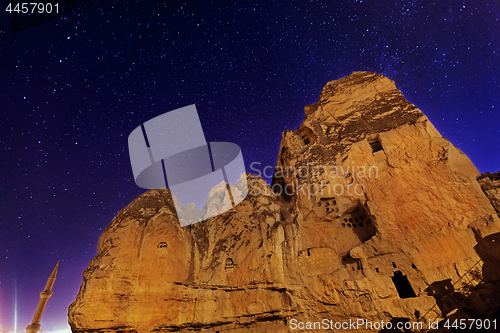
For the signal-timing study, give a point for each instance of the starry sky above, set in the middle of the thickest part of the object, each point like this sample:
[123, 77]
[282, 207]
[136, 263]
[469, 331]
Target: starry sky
[74, 87]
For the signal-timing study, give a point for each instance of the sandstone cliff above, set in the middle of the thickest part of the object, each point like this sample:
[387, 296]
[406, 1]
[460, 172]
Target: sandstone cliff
[372, 215]
[490, 183]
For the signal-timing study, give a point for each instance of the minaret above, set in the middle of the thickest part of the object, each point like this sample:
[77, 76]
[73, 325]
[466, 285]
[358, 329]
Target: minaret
[44, 297]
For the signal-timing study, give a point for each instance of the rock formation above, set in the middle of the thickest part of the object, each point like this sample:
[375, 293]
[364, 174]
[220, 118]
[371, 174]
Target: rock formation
[372, 215]
[490, 183]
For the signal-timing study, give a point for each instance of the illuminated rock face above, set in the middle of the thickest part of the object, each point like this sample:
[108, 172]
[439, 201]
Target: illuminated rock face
[490, 183]
[374, 216]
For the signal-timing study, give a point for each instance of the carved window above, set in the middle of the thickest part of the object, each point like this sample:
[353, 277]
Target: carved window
[376, 146]
[402, 285]
[162, 245]
[229, 263]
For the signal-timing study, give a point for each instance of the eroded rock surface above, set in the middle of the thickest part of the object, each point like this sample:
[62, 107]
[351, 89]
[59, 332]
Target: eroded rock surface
[372, 215]
[490, 183]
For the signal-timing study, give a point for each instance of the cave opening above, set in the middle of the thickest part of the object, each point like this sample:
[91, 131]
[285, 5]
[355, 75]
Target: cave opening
[376, 146]
[229, 263]
[402, 285]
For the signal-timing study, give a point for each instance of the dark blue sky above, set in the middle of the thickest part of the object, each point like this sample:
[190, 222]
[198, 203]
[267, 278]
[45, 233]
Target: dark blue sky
[73, 88]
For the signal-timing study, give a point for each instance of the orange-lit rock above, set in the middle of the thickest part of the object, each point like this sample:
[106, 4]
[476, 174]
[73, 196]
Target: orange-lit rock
[490, 183]
[374, 216]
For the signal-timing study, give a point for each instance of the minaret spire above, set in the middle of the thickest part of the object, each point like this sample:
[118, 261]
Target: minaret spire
[44, 297]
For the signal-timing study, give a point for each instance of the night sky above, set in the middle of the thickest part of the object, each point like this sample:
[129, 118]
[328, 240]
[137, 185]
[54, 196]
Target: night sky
[73, 88]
